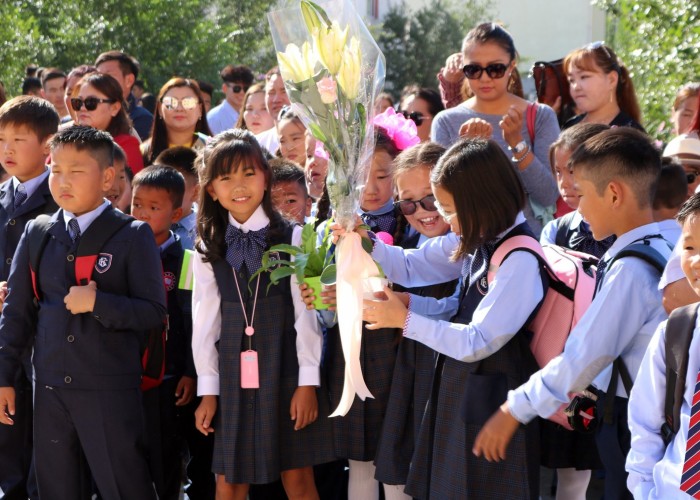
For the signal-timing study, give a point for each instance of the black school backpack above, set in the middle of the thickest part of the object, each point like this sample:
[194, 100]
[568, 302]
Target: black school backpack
[679, 334]
[86, 255]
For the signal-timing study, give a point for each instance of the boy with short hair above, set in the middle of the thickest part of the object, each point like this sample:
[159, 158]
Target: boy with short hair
[289, 195]
[53, 86]
[671, 193]
[658, 470]
[87, 338]
[183, 160]
[616, 173]
[157, 193]
[115, 192]
[26, 125]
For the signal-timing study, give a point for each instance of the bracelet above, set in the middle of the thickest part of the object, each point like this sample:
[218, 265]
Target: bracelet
[522, 157]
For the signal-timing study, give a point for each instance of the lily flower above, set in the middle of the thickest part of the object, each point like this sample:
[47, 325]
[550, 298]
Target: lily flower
[329, 44]
[297, 64]
[351, 69]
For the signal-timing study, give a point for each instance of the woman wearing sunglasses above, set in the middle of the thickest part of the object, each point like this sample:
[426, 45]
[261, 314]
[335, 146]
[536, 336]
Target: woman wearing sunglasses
[180, 119]
[601, 88]
[98, 102]
[421, 105]
[495, 112]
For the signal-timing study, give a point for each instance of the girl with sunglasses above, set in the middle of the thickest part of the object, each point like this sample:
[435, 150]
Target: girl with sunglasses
[415, 362]
[496, 112]
[180, 119]
[601, 88]
[98, 102]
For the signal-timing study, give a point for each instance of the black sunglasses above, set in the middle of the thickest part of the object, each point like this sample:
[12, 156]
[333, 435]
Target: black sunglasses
[474, 71]
[409, 207]
[692, 177]
[237, 88]
[90, 103]
[415, 116]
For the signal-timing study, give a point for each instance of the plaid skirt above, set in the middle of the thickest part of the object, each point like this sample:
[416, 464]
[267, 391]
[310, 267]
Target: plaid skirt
[410, 392]
[356, 434]
[443, 464]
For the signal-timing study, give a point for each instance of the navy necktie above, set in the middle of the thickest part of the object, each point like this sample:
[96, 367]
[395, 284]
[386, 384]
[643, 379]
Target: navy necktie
[384, 222]
[480, 260]
[245, 247]
[74, 229]
[20, 196]
[600, 274]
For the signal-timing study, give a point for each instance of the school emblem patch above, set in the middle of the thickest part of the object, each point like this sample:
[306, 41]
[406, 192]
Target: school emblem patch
[273, 257]
[103, 263]
[169, 281]
[482, 285]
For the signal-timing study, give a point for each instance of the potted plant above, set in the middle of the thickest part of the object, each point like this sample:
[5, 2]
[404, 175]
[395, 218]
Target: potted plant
[312, 263]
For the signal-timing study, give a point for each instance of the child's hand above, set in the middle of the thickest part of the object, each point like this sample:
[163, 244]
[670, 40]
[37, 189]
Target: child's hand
[7, 405]
[81, 299]
[337, 230]
[184, 392]
[452, 72]
[512, 124]
[493, 439]
[204, 414]
[389, 313]
[476, 128]
[327, 295]
[304, 407]
[3, 293]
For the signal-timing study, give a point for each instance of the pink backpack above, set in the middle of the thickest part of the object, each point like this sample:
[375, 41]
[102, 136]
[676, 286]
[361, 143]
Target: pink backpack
[570, 292]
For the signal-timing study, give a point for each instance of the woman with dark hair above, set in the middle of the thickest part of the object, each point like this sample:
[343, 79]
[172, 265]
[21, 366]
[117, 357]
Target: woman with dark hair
[255, 116]
[601, 88]
[98, 102]
[180, 119]
[421, 105]
[495, 111]
[71, 81]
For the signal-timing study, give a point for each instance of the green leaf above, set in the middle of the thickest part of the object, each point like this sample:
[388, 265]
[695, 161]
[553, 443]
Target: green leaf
[280, 273]
[367, 245]
[318, 133]
[285, 248]
[314, 266]
[328, 276]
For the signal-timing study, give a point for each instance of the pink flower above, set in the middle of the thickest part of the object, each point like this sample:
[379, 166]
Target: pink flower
[320, 152]
[401, 130]
[328, 89]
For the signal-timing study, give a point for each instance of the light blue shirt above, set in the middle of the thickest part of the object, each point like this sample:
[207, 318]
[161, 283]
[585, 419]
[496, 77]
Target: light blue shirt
[549, 232]
[186, 229]
[222, 117]
[31, 185]
[670, 230]
[654, 469]
[673, 271]
[85, 220]
[619, 322]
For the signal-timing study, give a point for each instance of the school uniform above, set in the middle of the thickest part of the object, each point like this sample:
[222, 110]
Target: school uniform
[673, 271]
[410, 391]
[186, 230]
[619, 322]
[655, 469]
[571, 231]
[255, 438]
[87, 366]
[16, 441]
[670, 230]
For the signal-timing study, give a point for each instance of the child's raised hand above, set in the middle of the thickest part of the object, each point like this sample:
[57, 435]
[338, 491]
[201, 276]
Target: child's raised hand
[476, 128]
[304, 407]
[389, 313]
[337, 230]
[7, 405]
[81, 299]
[493, 439]
[184, 392]
[511, 125]
[204, 414]
[452, 72]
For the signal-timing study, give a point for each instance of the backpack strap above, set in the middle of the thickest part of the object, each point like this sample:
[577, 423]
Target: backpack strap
[519, 242]
[37, 238]
[91, 242]
[531, 115]
[679, 334]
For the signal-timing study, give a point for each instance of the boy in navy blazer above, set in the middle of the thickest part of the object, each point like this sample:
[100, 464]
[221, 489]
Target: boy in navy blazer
[26, 125]
[87, 338]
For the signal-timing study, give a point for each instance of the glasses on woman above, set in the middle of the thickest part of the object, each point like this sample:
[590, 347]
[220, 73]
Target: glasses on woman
[90, 103]
[415, 116]
[409, 207]
[443, 214]
[188, 103]
[495, 70]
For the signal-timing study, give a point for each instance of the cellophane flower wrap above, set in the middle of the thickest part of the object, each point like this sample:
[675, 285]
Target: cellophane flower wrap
[333, 70]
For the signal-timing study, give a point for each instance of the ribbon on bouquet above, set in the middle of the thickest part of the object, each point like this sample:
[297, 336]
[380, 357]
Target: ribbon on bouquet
[354, 265]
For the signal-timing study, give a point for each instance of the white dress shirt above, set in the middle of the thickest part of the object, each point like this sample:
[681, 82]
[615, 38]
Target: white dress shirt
[206, 317]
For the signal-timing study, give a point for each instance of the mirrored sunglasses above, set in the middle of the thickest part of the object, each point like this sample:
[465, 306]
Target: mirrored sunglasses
[409, 207]
[188, 103]
[90, 103]
[495, 71]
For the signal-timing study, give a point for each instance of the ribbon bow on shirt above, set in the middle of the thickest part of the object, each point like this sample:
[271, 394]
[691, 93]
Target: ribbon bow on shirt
[245, 247]
[383, 222]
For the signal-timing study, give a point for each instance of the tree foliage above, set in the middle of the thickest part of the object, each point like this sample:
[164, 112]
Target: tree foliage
[659, 41]
[194, 38]
[416, 44]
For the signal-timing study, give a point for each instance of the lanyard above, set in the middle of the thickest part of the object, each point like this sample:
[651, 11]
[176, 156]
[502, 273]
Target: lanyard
[249, 330]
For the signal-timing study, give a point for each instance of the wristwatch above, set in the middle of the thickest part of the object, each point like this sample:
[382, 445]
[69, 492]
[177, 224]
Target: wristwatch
[519, 147]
